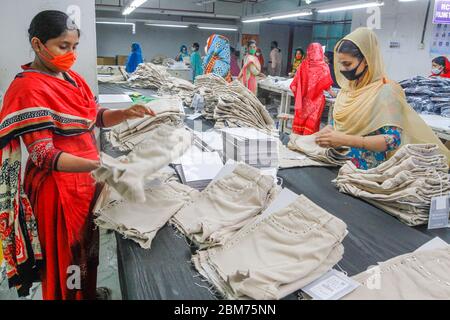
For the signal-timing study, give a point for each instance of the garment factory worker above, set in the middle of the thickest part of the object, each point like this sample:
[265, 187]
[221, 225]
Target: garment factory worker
[276, 60]
[135, 58]
[182, 54]
[234, 62]
[47, 229]
[218, 55]
[298, 59]
[196, 61]
[441, 67]
[371, 115]
[310, 81]
[251, 68]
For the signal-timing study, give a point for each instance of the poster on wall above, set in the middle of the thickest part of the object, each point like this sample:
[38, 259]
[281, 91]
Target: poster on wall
[440, 40]
[441, 12]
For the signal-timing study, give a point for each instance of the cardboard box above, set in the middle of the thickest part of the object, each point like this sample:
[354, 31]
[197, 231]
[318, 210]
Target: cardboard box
[122, 60]
[106, 61]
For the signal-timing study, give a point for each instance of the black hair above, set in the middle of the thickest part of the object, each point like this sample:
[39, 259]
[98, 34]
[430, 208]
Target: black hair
[350, 48]
[275, 43]
[301, 50]
[330, 56]
[250, 42]
[50, 24]
[196, 45]
[440, 61]
[237, 53]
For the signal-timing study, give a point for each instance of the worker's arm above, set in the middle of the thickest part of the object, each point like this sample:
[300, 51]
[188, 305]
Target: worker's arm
[110, 118]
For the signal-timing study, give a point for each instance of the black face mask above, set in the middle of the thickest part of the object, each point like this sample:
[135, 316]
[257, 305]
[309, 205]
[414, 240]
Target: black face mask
[351, 74]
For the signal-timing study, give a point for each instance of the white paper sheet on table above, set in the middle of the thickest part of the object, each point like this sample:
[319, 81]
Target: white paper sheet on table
[248, 133]
[227, 169]
[212, 139]
[199, 166]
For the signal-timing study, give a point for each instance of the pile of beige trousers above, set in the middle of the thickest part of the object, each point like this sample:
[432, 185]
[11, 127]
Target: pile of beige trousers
[303, 151]
[178, 88]
[276, 254]
[126, 176]
[404, 185]
[208, 87]
[420, 275]
[148, 76]
[126, 136]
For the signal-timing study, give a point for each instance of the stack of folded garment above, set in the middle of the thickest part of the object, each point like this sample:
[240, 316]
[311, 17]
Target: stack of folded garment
[162, 146]
[208, 86]
[239, 107]
[428, 95]
[414, 276]
[178, 87]
[163, 60]
[315, 156]
[276, 254]
[141, 221]
[226, 205]
[404, 185]
[250, 146]
[149, 76]
[168, 111]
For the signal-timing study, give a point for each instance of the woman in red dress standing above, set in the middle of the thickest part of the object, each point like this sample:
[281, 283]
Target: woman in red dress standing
[311, 80]
[46, 222]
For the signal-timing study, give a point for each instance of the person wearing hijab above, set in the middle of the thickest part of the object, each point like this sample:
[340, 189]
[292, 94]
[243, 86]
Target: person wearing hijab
[329, 60]
[135, 58]
[251, 68]
[217, 59]
[298, 59]
[371, 115]
[311, 79]
[441, 67]
[196, 61]
[234, 62]
[182, 54]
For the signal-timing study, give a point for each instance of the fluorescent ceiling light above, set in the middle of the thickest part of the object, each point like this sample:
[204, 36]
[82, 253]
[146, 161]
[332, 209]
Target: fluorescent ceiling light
[256, 20]
[166, 25]
[353, 7]
[119, 23]
[292, 15]
[406, 0]
[133, 6]
[218, 28]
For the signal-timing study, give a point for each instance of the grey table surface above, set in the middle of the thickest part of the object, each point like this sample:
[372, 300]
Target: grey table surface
[164, 271]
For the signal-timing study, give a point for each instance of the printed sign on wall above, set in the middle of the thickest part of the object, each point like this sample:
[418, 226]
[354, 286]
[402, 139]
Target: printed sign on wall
[441, 12]
[440, 40]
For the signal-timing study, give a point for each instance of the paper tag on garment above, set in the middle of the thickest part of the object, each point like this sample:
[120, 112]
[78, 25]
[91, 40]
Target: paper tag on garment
[194, 116]
[332, 286]
[439, 212]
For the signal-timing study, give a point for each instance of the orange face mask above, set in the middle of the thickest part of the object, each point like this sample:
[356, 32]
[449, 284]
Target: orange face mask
[62, 62]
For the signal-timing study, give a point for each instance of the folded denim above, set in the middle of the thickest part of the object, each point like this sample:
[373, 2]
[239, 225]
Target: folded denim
[163, 146]
[141, 221]
[226, 205]
[414, 276]
[307, 145]
[275, 255]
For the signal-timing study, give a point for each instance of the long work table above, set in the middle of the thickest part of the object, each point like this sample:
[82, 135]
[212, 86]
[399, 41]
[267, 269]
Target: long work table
[165, 272]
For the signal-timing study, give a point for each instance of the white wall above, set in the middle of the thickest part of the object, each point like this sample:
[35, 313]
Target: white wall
[16, 17]
[116, 40]
[402, 22]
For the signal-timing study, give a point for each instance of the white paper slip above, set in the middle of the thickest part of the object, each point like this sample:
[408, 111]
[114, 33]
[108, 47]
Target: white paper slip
[248, 133]
[227, 169]
[436, 243]
[115, 101]
[211, 138]
[334, 285]
[439, 213]
[194, 116]
[201, 166]
[283, 200]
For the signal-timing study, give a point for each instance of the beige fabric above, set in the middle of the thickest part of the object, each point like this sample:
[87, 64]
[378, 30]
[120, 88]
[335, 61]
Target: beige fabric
[291, 159]
[275, 255]
[372, 103]
[226, 205]
[415, 276]
[307, 145]
[141, 221]
[165, 145]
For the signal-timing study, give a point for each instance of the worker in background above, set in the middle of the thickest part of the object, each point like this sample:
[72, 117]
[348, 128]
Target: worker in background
[329, 60]
[276, 60]
[49, 233]
[182, 54]
[251, 68]
[234, 62]
[298, 59]
[196, 61]
[218, 56]
[260, 57]
[371, 115]
[440, 67]
[135, 58]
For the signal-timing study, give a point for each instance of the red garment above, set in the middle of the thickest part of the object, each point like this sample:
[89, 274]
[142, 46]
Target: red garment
[311, 79]
[55, 116]
[446, 72]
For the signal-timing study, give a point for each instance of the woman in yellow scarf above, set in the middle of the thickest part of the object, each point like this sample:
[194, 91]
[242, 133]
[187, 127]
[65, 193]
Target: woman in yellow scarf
[371, 114]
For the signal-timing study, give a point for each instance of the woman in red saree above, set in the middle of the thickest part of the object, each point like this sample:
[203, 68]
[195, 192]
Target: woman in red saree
[312, 78]
[46, 221]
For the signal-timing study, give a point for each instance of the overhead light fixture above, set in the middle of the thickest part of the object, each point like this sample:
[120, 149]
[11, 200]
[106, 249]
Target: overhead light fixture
[218, 28]
[204, 2]
[352, 7]
[119, 23]
[256, 20]
[406, 0]
[167, 25]
[292, 15]
[133, 6]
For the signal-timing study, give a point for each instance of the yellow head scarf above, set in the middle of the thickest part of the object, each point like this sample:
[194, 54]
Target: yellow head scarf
[364, 106]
